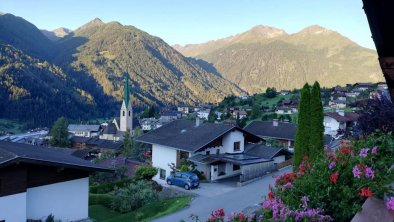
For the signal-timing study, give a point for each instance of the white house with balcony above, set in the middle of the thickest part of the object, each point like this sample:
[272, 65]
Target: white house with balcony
[218, 150]
[335, 122]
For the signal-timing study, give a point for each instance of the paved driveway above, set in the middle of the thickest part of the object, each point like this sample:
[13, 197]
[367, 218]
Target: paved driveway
[212, 196]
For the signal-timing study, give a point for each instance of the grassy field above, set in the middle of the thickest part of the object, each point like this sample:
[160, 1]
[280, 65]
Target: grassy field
[146, 213]
[272, 101]
[10, 126]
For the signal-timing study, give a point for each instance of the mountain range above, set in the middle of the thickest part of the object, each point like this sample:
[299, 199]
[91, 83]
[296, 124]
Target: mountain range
[79, 73]
[85, 68]
[269, 57]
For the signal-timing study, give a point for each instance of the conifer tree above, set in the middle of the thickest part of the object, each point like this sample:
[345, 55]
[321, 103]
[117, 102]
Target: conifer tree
[59, 133]
[316, 142]
[301, 146]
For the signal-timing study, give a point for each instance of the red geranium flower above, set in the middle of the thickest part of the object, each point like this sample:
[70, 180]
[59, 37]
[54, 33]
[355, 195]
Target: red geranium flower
[334, 177]
[270, 195]
[345, 150]
[365, 192]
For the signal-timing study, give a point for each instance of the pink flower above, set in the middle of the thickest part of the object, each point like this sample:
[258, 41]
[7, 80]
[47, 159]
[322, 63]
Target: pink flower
[357, 172]
[332, 165]
[390, 203]
[374, 150]
[369, 173]
[364, 152]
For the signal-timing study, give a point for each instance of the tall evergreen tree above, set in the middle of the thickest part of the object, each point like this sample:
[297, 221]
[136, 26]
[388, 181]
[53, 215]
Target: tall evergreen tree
[316, 132]
[301, 145]
[59, 133]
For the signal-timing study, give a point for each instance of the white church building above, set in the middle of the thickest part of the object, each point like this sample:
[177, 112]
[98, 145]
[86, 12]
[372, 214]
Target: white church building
[124, 123]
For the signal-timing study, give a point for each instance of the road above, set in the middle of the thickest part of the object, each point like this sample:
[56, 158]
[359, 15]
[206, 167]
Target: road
[213, 196]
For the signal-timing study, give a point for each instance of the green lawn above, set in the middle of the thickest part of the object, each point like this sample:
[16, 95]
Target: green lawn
[272, 101]
[146, 213]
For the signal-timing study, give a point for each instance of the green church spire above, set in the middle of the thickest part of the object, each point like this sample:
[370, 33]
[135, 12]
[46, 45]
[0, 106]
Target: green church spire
[126, 93]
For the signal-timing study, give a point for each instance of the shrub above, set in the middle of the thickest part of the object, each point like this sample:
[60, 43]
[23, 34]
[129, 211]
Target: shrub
[199, 174]
[134, 196]
[145, 172]
[106, 188]
[344, 179]
[184, 168]
[101, 199]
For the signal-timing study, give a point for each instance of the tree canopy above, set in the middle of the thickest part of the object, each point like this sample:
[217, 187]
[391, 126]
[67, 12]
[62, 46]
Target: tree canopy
[59, 133]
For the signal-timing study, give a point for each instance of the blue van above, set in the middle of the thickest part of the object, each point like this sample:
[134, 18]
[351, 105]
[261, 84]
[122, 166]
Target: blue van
[186, 180]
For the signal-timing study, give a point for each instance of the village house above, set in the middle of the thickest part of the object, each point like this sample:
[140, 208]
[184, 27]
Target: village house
[285, 110]
[284, 92]
[364, 86]
[218, 150]
[282, 132]
[84, 130]
[185, 109]
[382, 86]
[203, 114]
[99, 145]
[36, 182]
[334, 122]
[170, 116]
[148, 124]
[337, 104]
[353, 93]
[240, 113]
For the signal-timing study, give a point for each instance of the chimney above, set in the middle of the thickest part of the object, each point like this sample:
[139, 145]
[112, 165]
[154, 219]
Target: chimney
[341, 112]
[197, 122]
[275, 122]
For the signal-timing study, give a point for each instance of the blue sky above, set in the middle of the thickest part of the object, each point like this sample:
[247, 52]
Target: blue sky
[192, 21]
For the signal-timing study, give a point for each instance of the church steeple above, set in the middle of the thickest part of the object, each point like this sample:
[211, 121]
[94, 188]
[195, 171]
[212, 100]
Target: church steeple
[126, 110]
[126, 92]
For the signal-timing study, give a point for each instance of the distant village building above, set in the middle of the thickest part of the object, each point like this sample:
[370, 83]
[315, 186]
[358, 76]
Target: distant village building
[218, 115]
[285, 110]
[203, 114]
[170, 116]
[36, 182]
[337, 104]
[184, 109]
[244, 96]
[353, 93]
[148, 124]
[340, 120]
[84, 130]
[382, 86]
[364, 86]
[284, 92]
[239, 113]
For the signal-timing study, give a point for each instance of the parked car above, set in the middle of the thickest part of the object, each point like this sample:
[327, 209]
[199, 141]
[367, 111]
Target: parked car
[186, 180]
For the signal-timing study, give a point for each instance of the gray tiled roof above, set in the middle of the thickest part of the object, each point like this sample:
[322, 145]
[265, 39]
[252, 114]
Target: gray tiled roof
[80, 127]
[284, 130]
[184, 135]
[267, 152]
[267, 129]
[10, 152]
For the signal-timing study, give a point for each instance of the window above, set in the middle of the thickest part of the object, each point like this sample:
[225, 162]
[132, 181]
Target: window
[207, 152]
[237, 146]
[129, 113]
[217, 151]
[236, 167]
[123, 113]
[162, 174]
[1, 186]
